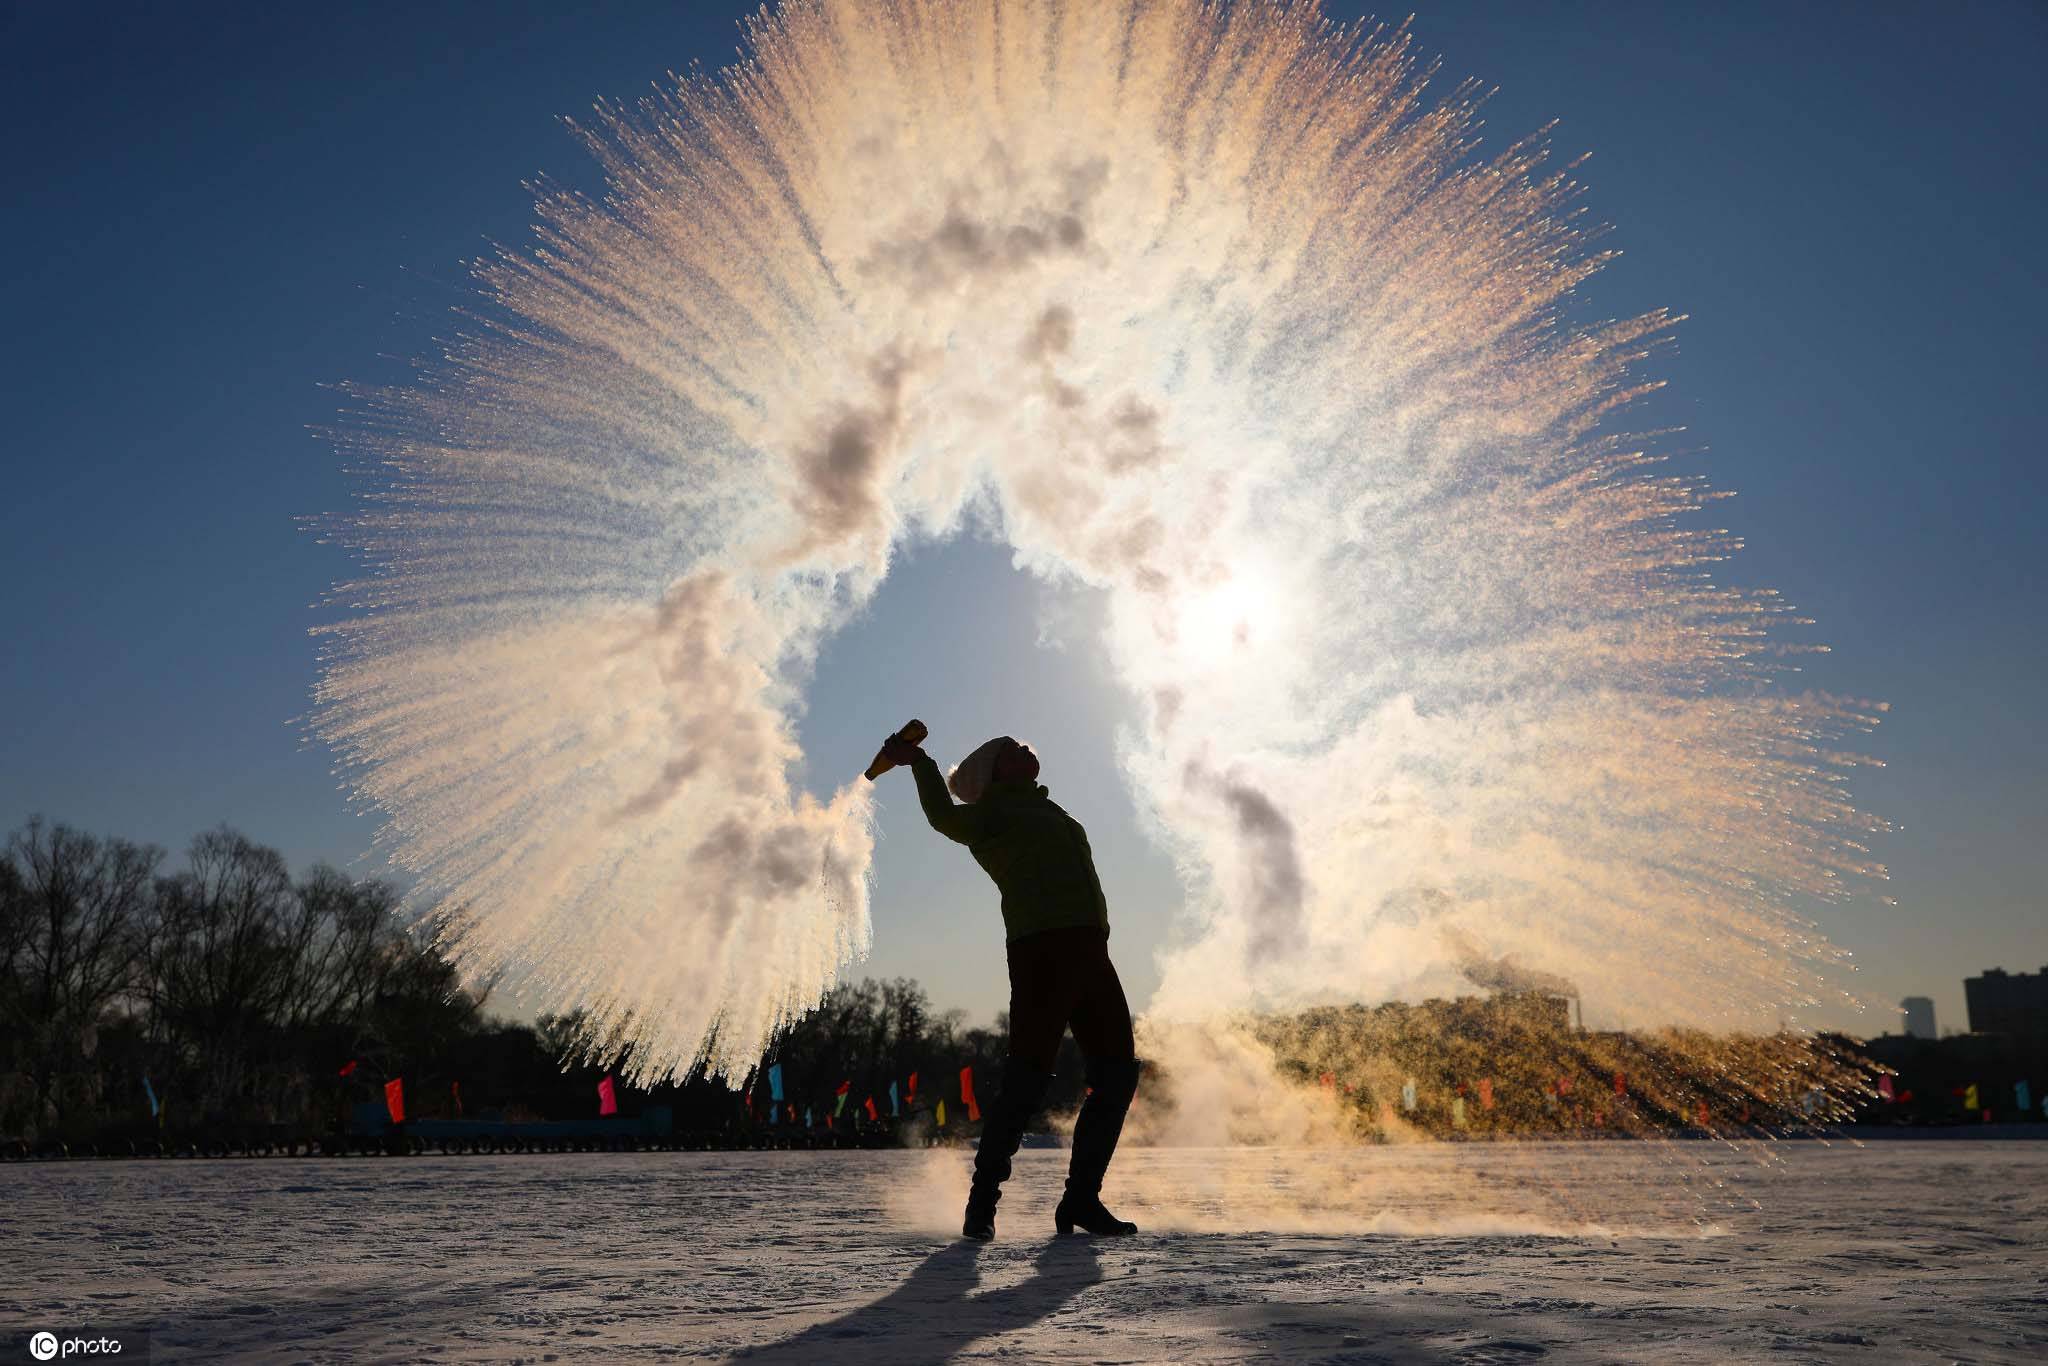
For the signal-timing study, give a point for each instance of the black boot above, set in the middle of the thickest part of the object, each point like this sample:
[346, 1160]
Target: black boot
[1111, 1084]
[1023, 1092]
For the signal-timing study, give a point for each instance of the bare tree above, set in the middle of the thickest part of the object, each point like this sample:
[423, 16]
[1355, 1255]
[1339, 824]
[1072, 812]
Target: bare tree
[223, 959]
[76, 906]
[341, 939]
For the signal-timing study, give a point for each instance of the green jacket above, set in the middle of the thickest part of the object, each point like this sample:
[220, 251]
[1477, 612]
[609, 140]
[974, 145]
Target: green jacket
[1037, 853]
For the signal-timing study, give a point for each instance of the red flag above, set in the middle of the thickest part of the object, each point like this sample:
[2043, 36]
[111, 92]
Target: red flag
[913, 1088]
[455, 1089]
[1486, 1093]
[1620, 1084]
[1884, 1088]
[1329, 1081]
[607, 1097]
[1703, 1114]
[394, 1099]
[870, 1103]
[967, 1093]
[1564, 1085]
[843, 1088]
[348, 1069]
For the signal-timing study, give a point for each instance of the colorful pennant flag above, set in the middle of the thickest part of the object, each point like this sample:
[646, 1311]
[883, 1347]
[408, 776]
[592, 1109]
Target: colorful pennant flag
[1884, 1088]
[910, 1091]
[1620, 1084]
[873, 1114]
[1408, 1095]
[1564, 1084]
[775, 1082]
[1704, 1120]
[394, 1099]
[967, 1093]
[1328, 1080]
[1970, 1097]
[1486, 1093]
[895, 1110]
[607, 1097]
[809, 1123]
[156, 1109]
[844, 1087]
[2022, 1097]
[348, 1069]
[1458, 1112]
[942, 1114]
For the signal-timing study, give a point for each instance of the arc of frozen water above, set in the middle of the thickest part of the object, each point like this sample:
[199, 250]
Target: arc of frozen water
[1215, 311]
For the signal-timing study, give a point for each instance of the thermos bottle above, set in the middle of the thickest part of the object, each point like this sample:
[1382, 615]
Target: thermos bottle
[913, 731]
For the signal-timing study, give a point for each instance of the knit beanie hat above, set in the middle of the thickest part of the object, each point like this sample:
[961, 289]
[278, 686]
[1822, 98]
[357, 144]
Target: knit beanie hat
[970, 779]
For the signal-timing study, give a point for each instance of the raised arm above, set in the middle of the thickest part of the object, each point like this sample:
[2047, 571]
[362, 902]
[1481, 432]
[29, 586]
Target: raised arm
[958, 821]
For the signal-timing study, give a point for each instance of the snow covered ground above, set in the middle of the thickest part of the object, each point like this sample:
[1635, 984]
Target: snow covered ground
[1463, 1253]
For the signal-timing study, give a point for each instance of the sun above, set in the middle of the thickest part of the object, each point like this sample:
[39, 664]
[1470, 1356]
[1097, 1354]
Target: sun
[1227, 618]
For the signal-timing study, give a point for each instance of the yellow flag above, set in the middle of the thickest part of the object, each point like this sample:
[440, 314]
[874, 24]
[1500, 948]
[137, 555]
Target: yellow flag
[942, 1114]
[1970, 1096]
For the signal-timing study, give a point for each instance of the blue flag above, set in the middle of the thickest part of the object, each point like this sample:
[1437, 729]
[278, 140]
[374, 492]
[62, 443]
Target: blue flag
[155, 1109]
[807, 1117]
[2022, 1096]
[894, 1109]
[775, 1082]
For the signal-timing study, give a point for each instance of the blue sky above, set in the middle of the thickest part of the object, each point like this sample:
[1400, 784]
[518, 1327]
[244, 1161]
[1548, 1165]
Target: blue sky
[218, 212]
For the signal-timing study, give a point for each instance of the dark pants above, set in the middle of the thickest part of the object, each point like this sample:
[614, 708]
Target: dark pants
[1060, 978]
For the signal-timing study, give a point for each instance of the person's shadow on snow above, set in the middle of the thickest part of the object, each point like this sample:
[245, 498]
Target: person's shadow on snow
[935, 1313]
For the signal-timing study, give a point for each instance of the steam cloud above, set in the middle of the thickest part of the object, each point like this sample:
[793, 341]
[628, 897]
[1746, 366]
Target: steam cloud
[1211, 310]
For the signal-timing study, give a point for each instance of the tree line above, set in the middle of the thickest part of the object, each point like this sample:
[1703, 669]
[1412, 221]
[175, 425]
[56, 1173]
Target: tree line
[229, 995]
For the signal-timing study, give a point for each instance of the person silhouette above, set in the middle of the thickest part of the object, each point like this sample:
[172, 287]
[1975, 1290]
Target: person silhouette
[1056, 925]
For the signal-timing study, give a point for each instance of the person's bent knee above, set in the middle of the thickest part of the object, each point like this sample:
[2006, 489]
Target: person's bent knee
[1114, 1078]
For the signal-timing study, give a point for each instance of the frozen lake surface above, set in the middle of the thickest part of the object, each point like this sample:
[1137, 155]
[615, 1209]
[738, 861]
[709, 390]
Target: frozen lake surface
[1460, 1253]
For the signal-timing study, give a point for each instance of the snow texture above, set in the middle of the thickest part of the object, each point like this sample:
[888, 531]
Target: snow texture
[1790, 1252]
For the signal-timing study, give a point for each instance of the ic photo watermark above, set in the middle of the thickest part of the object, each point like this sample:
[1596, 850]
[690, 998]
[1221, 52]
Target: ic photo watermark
[127, 1346]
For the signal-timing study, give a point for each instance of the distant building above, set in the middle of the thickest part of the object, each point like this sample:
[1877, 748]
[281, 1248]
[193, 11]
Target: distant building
[2012, 1003]
[1919, 1017]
